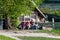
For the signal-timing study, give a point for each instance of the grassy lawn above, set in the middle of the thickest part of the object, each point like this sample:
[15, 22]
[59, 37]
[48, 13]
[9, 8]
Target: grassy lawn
[55, 32]
[40, 31]
[5, 38]
[37, 38]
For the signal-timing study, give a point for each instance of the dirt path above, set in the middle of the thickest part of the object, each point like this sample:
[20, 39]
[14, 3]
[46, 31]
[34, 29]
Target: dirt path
[14, 34]
[8, 34]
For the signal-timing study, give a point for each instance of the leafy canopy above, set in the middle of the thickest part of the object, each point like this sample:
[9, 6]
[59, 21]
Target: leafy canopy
[15, 8]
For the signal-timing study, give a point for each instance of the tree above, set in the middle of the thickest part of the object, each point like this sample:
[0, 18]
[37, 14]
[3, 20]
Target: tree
[12, 9]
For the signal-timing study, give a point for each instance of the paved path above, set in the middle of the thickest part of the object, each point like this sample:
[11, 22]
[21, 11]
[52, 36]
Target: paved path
[25, 33]
[8, 34]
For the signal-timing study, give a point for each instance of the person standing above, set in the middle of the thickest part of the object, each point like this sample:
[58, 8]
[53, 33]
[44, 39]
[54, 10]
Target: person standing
[27, 24]
[22, 25]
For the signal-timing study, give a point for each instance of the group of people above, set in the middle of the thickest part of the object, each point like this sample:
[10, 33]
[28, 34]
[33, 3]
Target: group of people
[29, 25]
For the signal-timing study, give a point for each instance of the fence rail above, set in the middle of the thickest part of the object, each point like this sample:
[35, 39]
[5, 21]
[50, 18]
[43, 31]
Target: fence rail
[55, 25]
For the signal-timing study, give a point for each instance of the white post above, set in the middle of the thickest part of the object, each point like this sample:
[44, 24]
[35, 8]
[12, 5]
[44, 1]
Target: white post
[53, 22]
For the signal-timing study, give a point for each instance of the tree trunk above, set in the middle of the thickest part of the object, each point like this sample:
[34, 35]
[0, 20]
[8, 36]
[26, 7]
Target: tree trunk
[7, 23]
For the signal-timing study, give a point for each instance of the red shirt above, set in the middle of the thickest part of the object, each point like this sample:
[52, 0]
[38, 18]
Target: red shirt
[27, 23]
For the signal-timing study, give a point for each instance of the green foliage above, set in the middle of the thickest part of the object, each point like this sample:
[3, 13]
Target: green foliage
[51, 11]
[1, 16]
[14, 8]
[14, 23]
[38, 2]
[57, 12]
[17, 7]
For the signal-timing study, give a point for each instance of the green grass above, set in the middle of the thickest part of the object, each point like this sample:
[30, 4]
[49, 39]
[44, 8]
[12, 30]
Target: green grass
[37, 38]
[41, 31]
[5, 38]
[55, 32]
